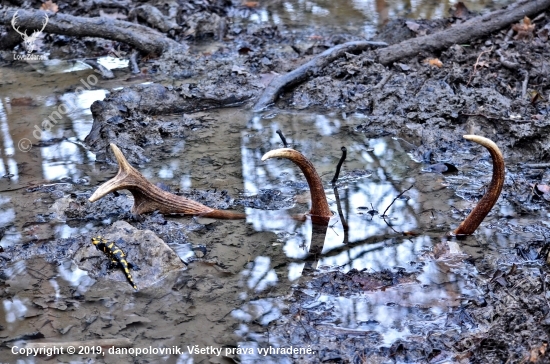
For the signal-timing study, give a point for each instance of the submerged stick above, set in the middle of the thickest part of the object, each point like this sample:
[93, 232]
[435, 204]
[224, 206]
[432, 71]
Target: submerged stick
[342, 159]
[282, 137]
[395, 199]
[320, 212]
[149, 198]
[484, 206]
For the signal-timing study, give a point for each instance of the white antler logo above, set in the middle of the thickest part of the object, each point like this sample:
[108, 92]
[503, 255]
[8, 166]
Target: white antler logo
[28, 40]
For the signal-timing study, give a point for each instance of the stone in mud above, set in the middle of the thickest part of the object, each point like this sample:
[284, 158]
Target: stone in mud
[143, 249]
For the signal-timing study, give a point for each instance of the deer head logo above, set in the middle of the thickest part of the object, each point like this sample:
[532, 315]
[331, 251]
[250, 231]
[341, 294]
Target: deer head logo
[28, 40]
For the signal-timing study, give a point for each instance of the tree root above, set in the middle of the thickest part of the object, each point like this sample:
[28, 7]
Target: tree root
[300, 74]
[142, 38]
[462, 33]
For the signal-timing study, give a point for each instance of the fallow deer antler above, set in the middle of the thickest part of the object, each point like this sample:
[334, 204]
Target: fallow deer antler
[472, 221]
[149, 198]
[320, 211]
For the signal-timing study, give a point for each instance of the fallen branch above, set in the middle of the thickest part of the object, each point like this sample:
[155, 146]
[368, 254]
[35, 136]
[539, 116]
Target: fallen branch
[143, 38]
[153, 17]
[300, 74]
[463, 33]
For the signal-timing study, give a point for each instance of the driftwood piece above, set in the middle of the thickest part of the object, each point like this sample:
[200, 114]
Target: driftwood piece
[141, 37]
[462, 33]
[300, 74]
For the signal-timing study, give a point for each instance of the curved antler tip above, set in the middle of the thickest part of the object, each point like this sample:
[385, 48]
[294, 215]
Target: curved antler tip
[280, 153]
[114, 148]
[484, 206]
[120, 158]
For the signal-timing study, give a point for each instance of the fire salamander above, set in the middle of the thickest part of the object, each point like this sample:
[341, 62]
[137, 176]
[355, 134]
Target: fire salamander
[116, 255]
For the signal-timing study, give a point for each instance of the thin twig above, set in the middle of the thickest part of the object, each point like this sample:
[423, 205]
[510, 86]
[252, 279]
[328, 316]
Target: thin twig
[342, 159]
[345, 225]
[383, 81]
[105, 72]
[133, 63]
[535, 165]
[401, 194]
[475, 65]
[282, 137]
[524, 85]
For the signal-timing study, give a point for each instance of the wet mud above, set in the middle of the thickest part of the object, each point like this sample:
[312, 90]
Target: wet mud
[382, 283]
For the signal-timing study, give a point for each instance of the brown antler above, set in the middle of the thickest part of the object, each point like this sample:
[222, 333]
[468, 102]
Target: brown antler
[472, 221]
[149, 198]
[320, 212]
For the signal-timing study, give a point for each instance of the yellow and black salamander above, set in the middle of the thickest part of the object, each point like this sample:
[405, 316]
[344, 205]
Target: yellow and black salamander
[116, 255]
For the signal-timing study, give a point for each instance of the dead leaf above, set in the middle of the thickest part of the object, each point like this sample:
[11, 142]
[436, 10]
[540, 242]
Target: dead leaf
[250, 4]
[460, 11]
[536, 353]
[433, 62]
[525, 29]
[535, 96]
[50, 6]
[543, 188]
[239, 70]
[22, 101]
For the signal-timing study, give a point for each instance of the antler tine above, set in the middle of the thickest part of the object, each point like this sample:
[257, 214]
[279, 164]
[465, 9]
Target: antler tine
[484, 206]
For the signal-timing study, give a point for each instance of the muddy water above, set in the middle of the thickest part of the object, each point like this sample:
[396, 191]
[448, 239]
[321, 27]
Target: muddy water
[237, 297]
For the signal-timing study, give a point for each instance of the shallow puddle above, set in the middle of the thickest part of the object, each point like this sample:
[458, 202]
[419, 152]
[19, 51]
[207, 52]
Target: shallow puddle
[239, 297]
